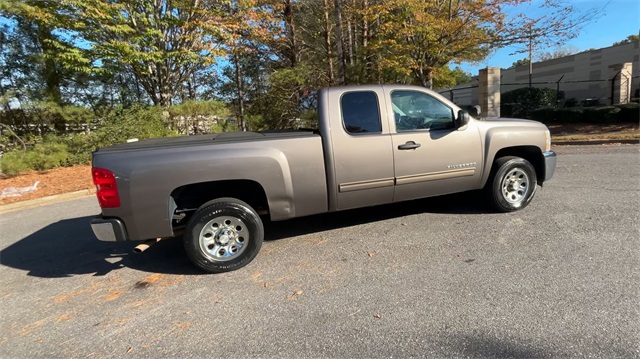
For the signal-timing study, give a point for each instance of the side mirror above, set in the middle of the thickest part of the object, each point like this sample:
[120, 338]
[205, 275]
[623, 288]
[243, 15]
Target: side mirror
[463, 118]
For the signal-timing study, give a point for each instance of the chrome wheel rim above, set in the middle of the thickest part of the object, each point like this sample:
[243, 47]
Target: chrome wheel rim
[515, 185]
[224, 238]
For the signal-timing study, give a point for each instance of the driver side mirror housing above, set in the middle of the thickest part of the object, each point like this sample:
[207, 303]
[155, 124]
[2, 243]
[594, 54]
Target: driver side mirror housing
[463, 118]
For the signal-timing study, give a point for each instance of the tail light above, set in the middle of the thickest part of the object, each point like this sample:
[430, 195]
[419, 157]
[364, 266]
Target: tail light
[106, 188]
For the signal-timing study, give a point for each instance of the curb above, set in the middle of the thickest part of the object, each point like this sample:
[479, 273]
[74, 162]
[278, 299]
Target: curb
[594, 142]
[46, 200]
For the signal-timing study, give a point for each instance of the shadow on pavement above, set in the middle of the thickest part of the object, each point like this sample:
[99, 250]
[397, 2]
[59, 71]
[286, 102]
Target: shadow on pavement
[482, 345]
[459, 203]
[68, 247]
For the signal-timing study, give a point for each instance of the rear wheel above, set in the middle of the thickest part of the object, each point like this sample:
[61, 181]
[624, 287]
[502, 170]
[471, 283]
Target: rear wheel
[512, 185]
[223, 235]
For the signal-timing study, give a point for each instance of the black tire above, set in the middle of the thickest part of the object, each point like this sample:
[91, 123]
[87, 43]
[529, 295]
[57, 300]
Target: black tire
[512, 184]
[211, 248]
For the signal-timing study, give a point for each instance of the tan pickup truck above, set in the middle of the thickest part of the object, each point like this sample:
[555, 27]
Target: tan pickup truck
[373, 145]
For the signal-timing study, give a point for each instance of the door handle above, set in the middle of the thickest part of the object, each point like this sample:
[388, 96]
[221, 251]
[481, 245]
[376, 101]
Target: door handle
[410, 145]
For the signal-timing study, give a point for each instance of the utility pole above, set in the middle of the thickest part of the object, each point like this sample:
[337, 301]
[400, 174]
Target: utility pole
[530, 56]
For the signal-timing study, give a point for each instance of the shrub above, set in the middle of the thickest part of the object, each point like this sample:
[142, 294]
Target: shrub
[136, 122]
[79, 146]
[607, 114]
[569, 115]
[629, 112]
[45, 156]
[15, 162]
[571, 102]
[544, 115]
[521, 102]
[42, 157]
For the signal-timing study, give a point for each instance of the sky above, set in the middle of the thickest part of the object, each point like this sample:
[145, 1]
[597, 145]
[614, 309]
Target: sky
[619, 19]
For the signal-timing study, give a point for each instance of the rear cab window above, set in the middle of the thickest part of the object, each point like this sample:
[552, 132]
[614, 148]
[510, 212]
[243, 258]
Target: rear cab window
[360, 112]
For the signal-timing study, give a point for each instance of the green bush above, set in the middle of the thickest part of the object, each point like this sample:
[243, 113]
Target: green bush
[136, 122]
[79, 146]
[629, 113]
[544, 115]
[42, 157]
[520, 102]
[45, 156]
[569, 115]
[15, 162]
[607, 114]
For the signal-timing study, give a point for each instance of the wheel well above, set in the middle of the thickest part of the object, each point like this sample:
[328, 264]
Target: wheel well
[529, 153]
[190, 197]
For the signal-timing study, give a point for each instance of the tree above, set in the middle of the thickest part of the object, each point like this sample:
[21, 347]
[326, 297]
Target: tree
[446, 77]
[558, 53]
[629, 39]
[521, 62]
[161, 42]
[38, 49]
[416, 37]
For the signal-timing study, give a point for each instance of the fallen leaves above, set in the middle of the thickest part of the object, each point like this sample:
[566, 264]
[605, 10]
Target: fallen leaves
[295, 295]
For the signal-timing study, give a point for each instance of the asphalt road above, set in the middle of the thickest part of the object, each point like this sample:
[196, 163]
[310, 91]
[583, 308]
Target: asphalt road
[431, 278]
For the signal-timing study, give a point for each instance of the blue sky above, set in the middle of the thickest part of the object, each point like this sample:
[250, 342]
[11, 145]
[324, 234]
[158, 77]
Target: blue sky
[620, 19]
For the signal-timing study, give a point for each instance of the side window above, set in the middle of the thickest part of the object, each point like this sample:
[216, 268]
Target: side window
[360, 112]
[418, 111]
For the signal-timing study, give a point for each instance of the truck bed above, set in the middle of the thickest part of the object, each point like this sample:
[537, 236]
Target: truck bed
[226, 137]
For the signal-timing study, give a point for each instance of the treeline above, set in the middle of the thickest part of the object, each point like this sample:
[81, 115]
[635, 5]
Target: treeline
[257, 56]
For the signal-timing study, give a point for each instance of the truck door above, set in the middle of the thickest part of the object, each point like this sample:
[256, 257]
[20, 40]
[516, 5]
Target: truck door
[431, 156]
[361, 144]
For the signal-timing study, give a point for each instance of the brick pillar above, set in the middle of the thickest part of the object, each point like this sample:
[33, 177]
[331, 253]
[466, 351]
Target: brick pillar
[489, 92]
[620, 86]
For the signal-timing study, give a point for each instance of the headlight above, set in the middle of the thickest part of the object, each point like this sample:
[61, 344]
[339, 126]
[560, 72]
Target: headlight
[547, 146]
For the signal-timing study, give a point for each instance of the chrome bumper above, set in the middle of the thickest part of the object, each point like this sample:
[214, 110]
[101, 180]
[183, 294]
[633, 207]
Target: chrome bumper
[109, 229]
[550, 160]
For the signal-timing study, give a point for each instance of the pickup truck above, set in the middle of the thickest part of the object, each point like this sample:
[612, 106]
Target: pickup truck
[374, 144]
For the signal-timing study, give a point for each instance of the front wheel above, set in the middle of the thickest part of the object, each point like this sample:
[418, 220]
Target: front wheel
[223, 235]
[512, 185]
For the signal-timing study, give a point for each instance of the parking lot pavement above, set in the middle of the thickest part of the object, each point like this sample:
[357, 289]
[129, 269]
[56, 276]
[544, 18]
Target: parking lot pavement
[439, 277]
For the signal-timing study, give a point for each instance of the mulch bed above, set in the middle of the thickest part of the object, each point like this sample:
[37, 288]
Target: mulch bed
[54, 181]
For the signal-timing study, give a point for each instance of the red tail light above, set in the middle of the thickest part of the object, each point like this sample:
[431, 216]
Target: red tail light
[106, 188]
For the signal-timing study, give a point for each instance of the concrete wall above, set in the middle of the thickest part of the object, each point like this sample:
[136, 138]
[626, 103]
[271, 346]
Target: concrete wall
[589, 65]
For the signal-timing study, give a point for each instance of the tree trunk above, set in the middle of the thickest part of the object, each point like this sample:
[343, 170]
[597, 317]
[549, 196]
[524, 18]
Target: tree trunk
[366, 65]
[240, 88]
[291, 33]
[350, 42]
[341, 58]
[327, 42]
[426, 77]
[165, 91]
[51, 73]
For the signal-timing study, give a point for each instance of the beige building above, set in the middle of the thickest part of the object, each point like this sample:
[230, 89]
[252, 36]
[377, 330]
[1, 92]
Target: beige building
[584, 76]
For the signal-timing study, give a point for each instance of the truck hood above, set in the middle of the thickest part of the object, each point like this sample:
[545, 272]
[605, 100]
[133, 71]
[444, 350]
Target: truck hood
[505, 119]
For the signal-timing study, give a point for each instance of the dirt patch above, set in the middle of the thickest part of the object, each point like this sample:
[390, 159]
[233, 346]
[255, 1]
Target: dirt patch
[51, 182]
[590, 131]
[160, 281]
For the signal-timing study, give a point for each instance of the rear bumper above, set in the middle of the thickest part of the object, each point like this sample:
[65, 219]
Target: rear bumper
[550, 160]
[109, 229]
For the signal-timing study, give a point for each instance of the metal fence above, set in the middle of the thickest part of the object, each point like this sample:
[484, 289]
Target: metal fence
[569, 93]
